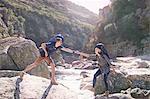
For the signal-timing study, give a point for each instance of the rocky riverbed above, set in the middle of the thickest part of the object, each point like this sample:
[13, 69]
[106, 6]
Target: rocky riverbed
[131, 79]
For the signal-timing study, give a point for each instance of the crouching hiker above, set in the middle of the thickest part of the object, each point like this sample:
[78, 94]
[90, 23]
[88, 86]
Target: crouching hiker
[101, 55]
[46, 50]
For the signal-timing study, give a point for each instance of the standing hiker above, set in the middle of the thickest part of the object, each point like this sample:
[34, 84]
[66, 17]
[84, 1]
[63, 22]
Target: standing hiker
[46, 50]
[101, 55]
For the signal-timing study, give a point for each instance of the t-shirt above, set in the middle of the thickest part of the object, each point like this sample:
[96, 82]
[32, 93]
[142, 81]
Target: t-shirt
[50, 47]
[103, 62]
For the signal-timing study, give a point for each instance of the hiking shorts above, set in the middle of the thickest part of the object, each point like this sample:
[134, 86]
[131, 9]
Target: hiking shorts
[42, 52]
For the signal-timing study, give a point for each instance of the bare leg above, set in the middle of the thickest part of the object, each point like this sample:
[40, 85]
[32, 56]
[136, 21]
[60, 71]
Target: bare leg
[51, 63]
[34, 64]
[31, 66]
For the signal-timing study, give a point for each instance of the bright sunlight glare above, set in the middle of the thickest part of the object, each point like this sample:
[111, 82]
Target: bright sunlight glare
[92, 5]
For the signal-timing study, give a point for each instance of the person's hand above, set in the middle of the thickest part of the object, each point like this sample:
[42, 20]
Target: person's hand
[77, 52]
[46, 54]
[98, 55]
[113, 65]
[63, 61]
[113, 70]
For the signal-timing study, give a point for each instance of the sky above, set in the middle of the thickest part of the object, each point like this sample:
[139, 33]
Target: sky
[92, 5]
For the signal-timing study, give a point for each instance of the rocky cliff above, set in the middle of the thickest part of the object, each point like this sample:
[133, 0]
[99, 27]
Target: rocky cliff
[124, 26]
[40, 19]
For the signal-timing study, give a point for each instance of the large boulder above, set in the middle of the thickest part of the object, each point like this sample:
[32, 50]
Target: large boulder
[140, 81]
[136, 70]
[16, 53]
[33, 87]
[116, 81]
[140, 94]
[6, 62]
[147, 3]
[8, 73]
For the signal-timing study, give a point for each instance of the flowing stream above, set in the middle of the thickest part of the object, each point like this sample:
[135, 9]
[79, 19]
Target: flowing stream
[71, 79]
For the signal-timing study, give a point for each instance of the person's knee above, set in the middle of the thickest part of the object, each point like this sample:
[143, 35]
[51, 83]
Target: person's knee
[95, 75]
[49, 63]
[52, 64]
[105, 77]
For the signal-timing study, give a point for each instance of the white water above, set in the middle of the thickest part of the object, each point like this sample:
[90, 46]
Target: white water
[71, 79]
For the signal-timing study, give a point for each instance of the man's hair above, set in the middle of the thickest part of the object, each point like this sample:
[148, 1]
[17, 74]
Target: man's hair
[58, 39]
[103, 49]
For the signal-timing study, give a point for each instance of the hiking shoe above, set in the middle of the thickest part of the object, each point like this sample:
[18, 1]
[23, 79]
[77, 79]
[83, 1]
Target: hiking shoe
[106, 93]
[54, 83]
[21, 74]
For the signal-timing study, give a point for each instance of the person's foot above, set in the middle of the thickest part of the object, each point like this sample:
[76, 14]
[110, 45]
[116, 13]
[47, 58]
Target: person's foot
[21, 74]
[54, 83]
[106, 93]
[92, 89]
[95, 94]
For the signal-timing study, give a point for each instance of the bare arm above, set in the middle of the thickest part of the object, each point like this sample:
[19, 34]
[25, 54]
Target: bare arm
[76, 52]
[43, 46]
[67, 50]
[82, 54]
[92, 57]
[89, 56]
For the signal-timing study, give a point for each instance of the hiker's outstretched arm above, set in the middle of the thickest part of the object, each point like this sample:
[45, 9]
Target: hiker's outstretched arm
[73, 51]
[82, 54]
[92, 57]
[67, 50]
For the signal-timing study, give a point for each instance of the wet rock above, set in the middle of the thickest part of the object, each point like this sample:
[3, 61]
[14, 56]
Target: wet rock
[77, 64]
[84, 64]
[116, 82]
[140, 94]
[140, 81]
[143, 65]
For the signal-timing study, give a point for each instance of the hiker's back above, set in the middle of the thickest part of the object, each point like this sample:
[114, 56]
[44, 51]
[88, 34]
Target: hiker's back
[101, 60]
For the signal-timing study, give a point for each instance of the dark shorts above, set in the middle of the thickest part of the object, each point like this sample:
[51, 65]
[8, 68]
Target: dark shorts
[42, 53]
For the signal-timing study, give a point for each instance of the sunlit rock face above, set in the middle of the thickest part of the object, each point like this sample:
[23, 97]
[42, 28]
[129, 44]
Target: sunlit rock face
[16, 53]
[39, 20]
[124, 28]
[33, 87]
